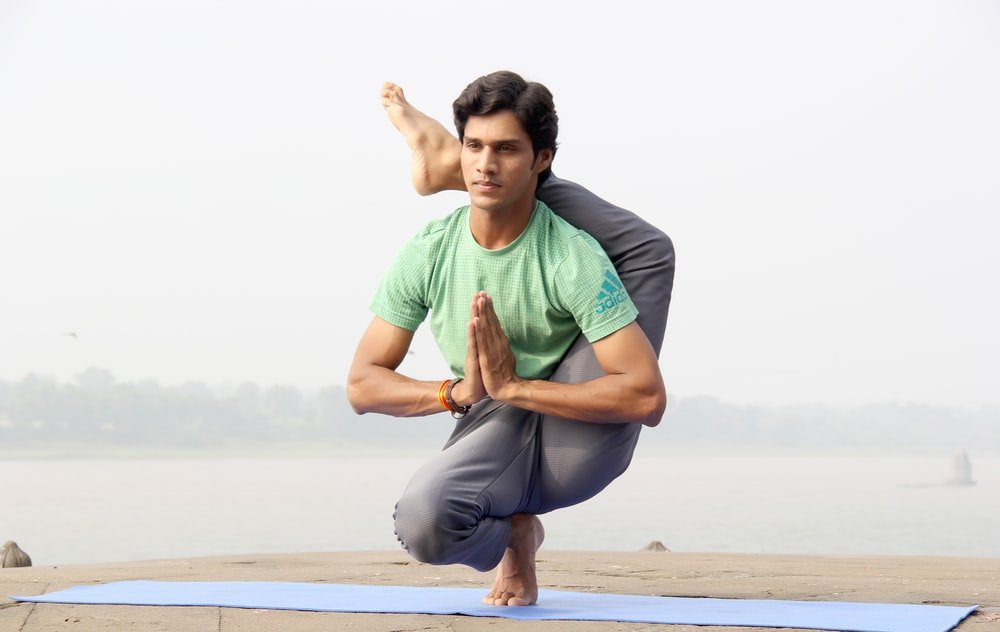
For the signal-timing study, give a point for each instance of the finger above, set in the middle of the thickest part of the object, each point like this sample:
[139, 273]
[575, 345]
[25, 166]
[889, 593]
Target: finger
[473, 347]
[482, 343]
[487, 309]
[470, 343]
[472, 369]
[491, 325]
[477, 326]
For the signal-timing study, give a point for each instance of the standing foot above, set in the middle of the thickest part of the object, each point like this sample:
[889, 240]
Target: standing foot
[437, 154]
[516, 583]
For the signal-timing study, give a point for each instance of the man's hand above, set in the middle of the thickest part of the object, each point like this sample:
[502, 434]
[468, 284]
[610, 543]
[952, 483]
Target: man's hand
[470, 390]
[497, 365]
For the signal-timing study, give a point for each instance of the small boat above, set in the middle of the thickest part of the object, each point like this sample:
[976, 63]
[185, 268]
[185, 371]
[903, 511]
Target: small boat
[961, 470]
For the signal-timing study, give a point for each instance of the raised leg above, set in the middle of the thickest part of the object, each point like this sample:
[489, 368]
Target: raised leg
[642, 254]
[436, 159]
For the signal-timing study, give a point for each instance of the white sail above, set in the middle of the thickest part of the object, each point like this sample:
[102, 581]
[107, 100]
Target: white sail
[961, 469]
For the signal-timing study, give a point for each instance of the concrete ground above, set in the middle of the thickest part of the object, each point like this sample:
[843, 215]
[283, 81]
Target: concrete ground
[919, 580]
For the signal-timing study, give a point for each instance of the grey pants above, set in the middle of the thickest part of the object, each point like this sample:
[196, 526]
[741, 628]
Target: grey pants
[501, 460]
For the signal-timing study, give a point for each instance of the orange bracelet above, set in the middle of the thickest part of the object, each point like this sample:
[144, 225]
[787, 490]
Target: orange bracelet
[441, 391]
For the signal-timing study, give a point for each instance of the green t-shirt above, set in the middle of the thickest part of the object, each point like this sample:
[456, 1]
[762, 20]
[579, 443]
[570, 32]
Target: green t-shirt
[548, 285]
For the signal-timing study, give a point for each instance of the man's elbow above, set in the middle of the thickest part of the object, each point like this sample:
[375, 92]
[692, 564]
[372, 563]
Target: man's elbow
[356, 396]
[655, 404]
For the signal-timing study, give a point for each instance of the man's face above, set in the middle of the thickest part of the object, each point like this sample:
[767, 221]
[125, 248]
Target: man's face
[498, 163]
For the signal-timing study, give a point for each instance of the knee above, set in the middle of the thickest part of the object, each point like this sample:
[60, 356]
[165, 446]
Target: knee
[429, 526]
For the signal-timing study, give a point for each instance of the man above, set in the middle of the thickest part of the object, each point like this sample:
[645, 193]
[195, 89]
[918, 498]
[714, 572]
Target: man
[554, 375]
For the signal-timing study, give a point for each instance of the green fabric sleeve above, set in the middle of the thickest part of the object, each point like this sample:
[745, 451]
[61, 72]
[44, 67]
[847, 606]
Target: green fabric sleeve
[401, 297]
[596, 297]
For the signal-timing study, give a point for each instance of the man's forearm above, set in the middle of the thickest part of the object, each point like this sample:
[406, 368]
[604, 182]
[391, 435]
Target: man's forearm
[381, 390]
[607, 399]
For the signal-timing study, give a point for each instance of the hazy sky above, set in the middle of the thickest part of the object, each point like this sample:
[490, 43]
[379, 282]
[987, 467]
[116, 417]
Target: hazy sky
[211, 191]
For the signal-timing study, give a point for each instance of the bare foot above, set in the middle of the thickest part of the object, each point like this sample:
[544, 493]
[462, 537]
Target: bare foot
[516, 583]
[436, 161]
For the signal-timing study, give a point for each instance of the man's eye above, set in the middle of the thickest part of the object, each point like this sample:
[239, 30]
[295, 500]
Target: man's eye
[506, 148]
[472, 145]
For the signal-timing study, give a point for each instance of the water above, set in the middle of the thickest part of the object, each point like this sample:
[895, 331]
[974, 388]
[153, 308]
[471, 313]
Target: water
[84, 511]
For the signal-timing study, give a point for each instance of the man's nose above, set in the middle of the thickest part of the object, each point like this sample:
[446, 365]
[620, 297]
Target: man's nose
[487, 161]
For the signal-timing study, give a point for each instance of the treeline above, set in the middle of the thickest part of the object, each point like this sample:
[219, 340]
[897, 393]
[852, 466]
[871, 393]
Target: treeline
[889, 428]
[95, 410]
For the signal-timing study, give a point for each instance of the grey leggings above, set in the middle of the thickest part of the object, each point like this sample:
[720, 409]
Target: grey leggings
[501, 460]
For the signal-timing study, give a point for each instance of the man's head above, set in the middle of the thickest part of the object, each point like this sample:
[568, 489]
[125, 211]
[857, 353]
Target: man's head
[530, 102]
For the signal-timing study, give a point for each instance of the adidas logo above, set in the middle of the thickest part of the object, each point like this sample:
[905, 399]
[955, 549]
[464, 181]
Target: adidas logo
[612, 293]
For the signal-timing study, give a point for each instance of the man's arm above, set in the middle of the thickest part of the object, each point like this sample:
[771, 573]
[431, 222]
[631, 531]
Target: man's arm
[374, 386]
[632, 390]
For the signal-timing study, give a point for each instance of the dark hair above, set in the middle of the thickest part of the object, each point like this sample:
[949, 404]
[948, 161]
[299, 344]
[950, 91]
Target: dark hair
[531, 103]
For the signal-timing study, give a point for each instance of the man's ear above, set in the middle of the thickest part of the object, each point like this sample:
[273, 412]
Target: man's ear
[543, 160]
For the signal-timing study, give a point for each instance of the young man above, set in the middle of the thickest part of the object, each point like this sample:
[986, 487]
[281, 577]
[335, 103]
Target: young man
[532, 318]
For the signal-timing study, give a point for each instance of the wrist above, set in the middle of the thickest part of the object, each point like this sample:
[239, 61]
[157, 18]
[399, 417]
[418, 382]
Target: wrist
[461, 394]
[453, 400]
[469, 392]
[511, 391]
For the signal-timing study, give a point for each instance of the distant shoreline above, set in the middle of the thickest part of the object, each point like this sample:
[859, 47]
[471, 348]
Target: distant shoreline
[323, 450]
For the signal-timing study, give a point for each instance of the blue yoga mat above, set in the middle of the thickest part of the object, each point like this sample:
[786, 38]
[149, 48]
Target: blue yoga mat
[553, 604]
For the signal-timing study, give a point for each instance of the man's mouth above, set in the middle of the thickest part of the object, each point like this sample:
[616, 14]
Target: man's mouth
[486, 185]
